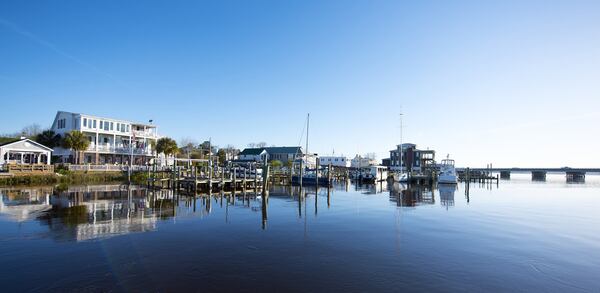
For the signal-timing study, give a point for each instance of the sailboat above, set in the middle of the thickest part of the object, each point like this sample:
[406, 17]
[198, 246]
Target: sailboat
[309, 177]
[401, 176]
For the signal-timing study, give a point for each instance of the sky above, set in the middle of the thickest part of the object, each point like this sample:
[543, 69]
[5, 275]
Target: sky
[512, 83]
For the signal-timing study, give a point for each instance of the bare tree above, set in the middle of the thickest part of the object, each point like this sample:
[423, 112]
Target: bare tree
[371, 156]
[261, 144]
[251, 145]
[185, 141]
[31, 130]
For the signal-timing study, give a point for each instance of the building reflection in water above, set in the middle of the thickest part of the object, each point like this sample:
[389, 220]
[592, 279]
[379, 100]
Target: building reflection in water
[412, 195]
[78, 213]
[90, 212]
[24, 204]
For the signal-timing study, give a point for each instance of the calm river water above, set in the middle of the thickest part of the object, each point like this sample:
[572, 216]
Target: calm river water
[515, 236]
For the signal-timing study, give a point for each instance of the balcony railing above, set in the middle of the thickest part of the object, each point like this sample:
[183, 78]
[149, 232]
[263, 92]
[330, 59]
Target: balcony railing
[120, 150]
[144, 133]
[112, 168]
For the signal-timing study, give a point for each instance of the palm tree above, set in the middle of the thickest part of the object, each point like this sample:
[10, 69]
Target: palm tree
[167, 146]
[76, 141]
[48, 138]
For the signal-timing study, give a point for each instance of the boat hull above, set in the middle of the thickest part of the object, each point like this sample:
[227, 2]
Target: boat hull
[311, 181]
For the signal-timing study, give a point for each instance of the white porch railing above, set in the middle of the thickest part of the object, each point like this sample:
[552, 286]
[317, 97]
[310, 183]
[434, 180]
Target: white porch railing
[142, 133]
[120, 150]
[112, 168]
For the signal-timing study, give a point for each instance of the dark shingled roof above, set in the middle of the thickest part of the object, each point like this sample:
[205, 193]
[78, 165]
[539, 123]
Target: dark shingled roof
[271, 150]
[251, 151]
[283, 150]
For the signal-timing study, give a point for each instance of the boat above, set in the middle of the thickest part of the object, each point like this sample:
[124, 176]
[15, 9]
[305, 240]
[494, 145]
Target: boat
[373, 174]
[447, 172]
[401, 176]
[311, 179]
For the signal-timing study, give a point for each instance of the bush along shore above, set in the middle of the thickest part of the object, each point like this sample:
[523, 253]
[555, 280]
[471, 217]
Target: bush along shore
[73, 177]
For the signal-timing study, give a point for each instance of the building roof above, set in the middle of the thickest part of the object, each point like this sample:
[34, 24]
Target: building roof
[107, 118]
[284, 150]
[251, 151]
[271, 150]
[28, 140]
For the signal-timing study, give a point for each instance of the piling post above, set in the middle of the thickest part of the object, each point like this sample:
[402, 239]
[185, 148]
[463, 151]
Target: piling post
[301, 172]
[210, 175]
[234, 176]
[195, 181]
[244, 181]
[223, 178]
[317, 170]
[265, 178]
[329, 169]
[255, 177]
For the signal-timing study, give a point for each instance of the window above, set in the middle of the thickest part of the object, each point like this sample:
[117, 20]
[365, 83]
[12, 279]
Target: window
[118, 126]
[84, 122]
[106, 124]
[111, 126]
[106, 140]
[94, 126]
[127, 128]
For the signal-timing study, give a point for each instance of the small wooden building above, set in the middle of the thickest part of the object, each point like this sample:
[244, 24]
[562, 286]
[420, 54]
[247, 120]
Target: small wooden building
[24, 151]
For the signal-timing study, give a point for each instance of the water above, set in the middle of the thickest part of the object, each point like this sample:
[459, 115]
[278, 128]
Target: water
[517, 236]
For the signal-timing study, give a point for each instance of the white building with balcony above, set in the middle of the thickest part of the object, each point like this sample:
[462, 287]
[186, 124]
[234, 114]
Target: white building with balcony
[112, 141]
[337, 161]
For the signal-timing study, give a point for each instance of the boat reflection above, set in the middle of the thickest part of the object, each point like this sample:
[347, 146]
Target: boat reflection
[446, 192]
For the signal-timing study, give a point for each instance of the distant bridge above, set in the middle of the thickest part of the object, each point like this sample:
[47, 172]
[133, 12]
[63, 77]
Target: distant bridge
[572, 174]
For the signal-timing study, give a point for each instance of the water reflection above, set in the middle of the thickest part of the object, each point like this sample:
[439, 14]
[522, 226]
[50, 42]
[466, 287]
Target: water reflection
[78, 213]
[447, 194]
[24, 204]
[412, 195]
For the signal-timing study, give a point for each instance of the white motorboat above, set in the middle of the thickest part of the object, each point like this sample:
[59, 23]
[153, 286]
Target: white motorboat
[400, 177]
[374, 174]
[447, 172]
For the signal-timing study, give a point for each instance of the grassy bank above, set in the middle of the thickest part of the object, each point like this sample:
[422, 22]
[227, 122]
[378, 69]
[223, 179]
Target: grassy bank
[69, 177]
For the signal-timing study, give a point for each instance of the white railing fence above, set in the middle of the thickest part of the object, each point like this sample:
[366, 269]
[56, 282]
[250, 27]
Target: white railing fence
[112, 168]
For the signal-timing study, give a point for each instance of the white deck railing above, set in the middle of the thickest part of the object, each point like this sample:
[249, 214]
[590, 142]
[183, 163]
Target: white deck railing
[120, 150]
[111, 168]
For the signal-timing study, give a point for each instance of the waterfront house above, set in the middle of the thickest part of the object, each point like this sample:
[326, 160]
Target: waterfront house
[24, 151]
[253, 155]
[283, 154]
[413, 159]
[362, 162]
[337, 161]
[112, 141]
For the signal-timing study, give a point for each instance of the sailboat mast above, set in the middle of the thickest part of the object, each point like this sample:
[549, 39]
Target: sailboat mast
[401, 152]
[307, 126]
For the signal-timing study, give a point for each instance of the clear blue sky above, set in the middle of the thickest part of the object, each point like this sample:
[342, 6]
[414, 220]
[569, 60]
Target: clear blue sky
[514, 83]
